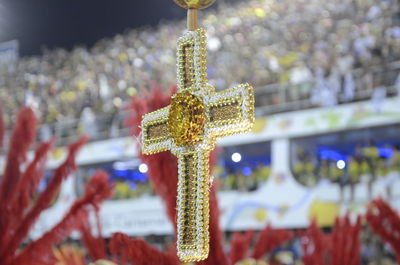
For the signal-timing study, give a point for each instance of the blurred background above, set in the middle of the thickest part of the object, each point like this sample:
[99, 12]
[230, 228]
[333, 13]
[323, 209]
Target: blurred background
[327, 83]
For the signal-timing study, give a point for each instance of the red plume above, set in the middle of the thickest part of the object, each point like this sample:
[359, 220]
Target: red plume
[385, 222]
[94, 244]
[97, 189]
[138, 252]
[43, 200]
[119, 248]
[342, 246]
[18, 213]
[345, 242]
[269, 239]
[240, 245]
[30, 179]
[315, 245]
[2, 129]
[22, 137]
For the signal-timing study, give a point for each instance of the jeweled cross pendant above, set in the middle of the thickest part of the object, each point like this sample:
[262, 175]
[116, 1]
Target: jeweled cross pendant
[188, 128]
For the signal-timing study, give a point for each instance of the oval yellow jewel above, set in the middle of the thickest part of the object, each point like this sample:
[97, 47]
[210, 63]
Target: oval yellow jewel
[186, 119]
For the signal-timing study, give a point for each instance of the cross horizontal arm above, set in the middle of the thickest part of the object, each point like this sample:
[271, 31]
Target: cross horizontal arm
[155, 133]
[231, 111]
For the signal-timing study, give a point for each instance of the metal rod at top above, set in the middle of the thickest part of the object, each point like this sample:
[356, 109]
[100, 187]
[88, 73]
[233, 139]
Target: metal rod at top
[192, 19]
[192, 6]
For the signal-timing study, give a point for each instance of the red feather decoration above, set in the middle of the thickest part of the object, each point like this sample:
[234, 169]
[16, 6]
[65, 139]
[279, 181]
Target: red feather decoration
[240, 245]
[119, 248]
[45, 197]
[269, 239]
[21, 139]
[2, 130]
[346, 242]
[30, 179]
[94, 244]
[315, 245]
[342, 246]
[17, 211]
[138, 252]
[97, 189]
[385, 222]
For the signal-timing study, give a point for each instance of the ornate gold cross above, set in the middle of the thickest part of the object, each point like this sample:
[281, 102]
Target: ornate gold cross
[189, 128]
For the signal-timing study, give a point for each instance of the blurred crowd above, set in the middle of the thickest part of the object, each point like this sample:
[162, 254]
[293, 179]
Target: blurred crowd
[137, 185]
[244, 179]
[366, 164]
[311, 45]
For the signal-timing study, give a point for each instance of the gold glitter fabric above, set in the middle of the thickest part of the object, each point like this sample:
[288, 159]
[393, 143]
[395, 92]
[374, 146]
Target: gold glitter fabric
[227, 112]
[189, 201]
[158, 130]
[188, 64]
[189, 128]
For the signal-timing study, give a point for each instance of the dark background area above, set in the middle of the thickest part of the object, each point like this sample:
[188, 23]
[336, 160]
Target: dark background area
[38, 24]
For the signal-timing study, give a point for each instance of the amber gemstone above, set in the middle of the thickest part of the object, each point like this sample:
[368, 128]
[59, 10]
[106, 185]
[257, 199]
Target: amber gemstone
[186, 119]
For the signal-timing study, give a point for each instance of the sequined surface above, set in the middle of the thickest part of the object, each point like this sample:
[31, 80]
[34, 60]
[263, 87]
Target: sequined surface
[227, 112]
[158, 130]
[189, 200]
[188, 65]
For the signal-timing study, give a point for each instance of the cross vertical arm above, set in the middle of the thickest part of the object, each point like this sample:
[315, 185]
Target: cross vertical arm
[191, 60]
[188, 128]
[193, 205]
